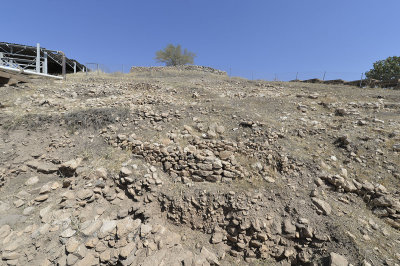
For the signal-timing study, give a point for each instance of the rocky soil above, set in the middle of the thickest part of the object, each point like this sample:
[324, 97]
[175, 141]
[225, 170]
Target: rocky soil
[196, 168]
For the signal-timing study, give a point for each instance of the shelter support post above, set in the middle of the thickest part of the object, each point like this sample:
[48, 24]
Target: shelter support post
[64, 69]
[38, 58]
[45, 69]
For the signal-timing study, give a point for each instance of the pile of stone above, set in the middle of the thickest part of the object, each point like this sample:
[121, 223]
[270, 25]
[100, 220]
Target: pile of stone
[77, 222]
[210, 156]
[203, 159]
[198, 162]
[155, 69]
[143, 86]
[157, 116]
[384, 204]
[140, 188]
[237, 220]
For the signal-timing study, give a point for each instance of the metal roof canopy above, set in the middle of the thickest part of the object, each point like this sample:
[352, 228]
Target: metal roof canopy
[36, 58]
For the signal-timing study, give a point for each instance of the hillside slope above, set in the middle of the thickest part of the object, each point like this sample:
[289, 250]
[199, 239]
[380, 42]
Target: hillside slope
[195, 168]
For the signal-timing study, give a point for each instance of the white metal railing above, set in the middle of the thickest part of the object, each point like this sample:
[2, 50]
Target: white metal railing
[18, 62]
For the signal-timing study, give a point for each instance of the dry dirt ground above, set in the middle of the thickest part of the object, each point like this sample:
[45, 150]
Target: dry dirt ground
[195, 168]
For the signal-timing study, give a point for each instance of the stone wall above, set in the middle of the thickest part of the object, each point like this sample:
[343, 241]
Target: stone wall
[373, 83]
[139, 69]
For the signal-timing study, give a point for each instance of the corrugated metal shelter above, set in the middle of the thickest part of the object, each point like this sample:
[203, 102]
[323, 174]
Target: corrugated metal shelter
[36, 58]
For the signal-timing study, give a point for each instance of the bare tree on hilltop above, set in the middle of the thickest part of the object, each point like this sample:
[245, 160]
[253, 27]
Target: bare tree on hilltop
[173, 56]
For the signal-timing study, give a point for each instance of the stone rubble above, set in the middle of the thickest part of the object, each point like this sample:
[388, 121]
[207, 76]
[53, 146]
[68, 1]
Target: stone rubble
[143, 169]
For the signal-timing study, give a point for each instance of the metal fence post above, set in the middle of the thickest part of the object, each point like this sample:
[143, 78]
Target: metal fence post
[38, 58]
[362, 74]
[323, 78]
[64, 69]
[74, 67]
[45, 68]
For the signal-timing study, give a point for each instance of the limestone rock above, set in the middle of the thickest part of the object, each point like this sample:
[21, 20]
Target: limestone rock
[322, 205]
[105, 256]
[108, 227]
[145, 229]
[71, 259]
[31, 181]
[45, 189]
[5, 230]
[68, 233]
[217, 237]
[125, 172]
[19, 203]
[92, 227]
[127, 250]
[337, 260]
[42, 198]
[88, 260]
[211, 257]
[101, 173]
[71, 245]
[10, 255]
[68, 168]
[289, 228]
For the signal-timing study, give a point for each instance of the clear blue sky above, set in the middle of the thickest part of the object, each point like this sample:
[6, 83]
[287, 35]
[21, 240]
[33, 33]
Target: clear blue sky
[252, 38]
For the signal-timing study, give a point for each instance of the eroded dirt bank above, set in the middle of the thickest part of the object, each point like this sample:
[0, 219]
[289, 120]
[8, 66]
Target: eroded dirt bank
[196, 169]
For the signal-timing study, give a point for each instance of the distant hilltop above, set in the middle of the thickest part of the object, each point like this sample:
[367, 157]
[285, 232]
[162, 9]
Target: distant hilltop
[140, 69]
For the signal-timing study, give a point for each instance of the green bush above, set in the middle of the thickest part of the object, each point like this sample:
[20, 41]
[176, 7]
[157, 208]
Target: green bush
[387, 69]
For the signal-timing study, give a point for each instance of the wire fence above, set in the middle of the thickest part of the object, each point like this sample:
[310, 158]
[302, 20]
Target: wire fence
[94, 67]
[253, 74]
[321, 75]
[329, 77]
[249, 74]
[298, 75]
